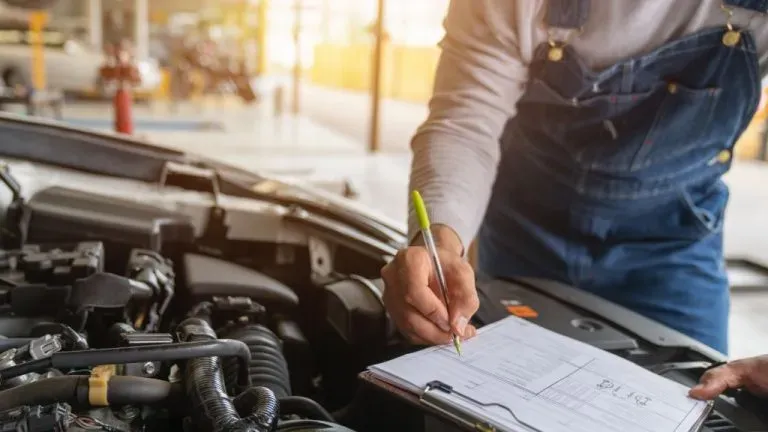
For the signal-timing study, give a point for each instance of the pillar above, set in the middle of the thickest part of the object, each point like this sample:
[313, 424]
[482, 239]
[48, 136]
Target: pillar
[141, 29]
[261, 37]
[95, 23]
[37, 22]
[297, 66]
[374, 139]
[326, 21]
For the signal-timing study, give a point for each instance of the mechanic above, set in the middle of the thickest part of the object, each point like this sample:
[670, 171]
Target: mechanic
[584, 142]
[750, 374]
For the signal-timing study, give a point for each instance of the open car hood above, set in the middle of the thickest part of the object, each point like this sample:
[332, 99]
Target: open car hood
[54, 143]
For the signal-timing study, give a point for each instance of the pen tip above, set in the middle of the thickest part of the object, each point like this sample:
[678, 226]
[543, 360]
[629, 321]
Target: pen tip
[457, 344]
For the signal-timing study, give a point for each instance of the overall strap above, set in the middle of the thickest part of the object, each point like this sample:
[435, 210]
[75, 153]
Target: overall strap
[567, 15]
[732, 35]
[754, 5]
[573, 14]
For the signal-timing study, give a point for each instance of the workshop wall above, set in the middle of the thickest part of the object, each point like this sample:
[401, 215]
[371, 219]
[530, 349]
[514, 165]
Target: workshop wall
[408, 72]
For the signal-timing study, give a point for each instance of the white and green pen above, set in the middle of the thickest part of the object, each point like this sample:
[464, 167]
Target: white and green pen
[429, 242]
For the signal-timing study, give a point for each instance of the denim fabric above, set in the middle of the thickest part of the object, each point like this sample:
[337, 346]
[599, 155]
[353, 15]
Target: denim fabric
[611, 180]
[754, 5]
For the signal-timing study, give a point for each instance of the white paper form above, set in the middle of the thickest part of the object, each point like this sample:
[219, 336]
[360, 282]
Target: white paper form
[550, 382]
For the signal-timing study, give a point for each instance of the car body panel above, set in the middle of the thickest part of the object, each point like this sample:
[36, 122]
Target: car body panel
[51, 149]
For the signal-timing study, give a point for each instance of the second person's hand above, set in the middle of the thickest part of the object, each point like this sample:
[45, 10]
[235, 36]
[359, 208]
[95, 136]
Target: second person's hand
[749, 373]
[412, 294]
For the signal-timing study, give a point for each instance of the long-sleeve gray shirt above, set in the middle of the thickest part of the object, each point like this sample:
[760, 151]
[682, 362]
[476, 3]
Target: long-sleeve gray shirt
[483, 70]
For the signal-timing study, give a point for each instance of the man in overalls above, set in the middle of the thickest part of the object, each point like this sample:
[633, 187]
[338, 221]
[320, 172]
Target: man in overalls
[584, 142]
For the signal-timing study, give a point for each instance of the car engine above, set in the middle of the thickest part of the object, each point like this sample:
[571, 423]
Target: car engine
[87, 349]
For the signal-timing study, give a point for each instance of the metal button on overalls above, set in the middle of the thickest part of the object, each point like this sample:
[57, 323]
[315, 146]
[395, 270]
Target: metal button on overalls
[724, 156]
[672, 88]
[627, 202]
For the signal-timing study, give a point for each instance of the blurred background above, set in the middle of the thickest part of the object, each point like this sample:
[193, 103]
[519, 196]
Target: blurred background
[355, 75]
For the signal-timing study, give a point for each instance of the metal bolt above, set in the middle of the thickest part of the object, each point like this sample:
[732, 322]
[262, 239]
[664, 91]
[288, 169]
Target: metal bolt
[148, 368]
[6, 358]
[128, 413]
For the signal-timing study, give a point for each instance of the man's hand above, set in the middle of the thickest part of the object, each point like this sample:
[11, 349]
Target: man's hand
[751, 374]
[412, 295]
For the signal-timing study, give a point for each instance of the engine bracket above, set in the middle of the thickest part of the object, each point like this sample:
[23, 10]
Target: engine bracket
[320, 258]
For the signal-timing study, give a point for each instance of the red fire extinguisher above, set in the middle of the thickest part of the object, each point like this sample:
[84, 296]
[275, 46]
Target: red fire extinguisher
[120, 70]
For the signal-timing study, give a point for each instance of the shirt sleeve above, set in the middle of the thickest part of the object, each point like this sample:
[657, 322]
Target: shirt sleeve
[479, 79]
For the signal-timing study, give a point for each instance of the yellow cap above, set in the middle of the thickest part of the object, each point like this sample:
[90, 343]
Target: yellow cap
[421, 210]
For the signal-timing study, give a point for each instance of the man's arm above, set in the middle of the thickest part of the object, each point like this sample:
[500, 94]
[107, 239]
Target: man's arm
[479, 79]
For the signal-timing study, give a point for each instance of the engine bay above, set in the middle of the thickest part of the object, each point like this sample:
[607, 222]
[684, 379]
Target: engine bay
[198, 314]
[122, 316]
[86, 349]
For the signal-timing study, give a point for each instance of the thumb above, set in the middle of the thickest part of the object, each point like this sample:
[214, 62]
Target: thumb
[462, 296]
[715, 381]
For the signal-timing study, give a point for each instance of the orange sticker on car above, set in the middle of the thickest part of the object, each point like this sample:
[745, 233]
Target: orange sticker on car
[522, 311]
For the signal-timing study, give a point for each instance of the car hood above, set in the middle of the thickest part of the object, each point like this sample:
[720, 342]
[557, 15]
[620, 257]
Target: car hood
[122, 156]
[303, 195]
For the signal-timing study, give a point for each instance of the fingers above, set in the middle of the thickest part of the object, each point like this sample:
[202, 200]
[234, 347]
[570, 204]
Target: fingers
[470, 332]
[715, 381]
[419, 314]
[462, 295]
[750, 373]
[414, 300]
[424, 301]
[415, 277]
[420, 330]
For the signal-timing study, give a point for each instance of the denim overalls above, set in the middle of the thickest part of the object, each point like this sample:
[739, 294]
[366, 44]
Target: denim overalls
[611, 180]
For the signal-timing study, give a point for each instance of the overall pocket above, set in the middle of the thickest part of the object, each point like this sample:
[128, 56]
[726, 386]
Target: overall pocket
[591, 127]
[703, 211]
[683, 123]
[625, 132]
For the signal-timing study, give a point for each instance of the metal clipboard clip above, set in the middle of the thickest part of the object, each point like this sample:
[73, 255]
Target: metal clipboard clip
[430, 398]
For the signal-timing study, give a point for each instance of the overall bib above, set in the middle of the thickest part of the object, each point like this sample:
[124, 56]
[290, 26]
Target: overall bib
[610, 180]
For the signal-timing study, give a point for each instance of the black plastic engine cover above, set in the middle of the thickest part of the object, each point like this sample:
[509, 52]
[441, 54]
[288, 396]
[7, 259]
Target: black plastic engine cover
[501, 299]
[210, 277]
[61, 214]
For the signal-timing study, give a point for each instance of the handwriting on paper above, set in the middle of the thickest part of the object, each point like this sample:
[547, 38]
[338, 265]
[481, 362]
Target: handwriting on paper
[622, 392]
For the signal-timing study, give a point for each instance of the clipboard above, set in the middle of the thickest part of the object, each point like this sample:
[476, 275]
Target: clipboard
[429, 402]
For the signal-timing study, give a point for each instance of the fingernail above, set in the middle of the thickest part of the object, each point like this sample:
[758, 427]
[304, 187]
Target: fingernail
[461, 324]
[472, 332]
[444, 326]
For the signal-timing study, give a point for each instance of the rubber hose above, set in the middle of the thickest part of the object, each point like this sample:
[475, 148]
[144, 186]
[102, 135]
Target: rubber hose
[130, 390]
[267, 367]
[258, 402]
[6, 344]
[304, 407]
[43, 392]
[204, 382]
[136, 354]
[121, 390]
